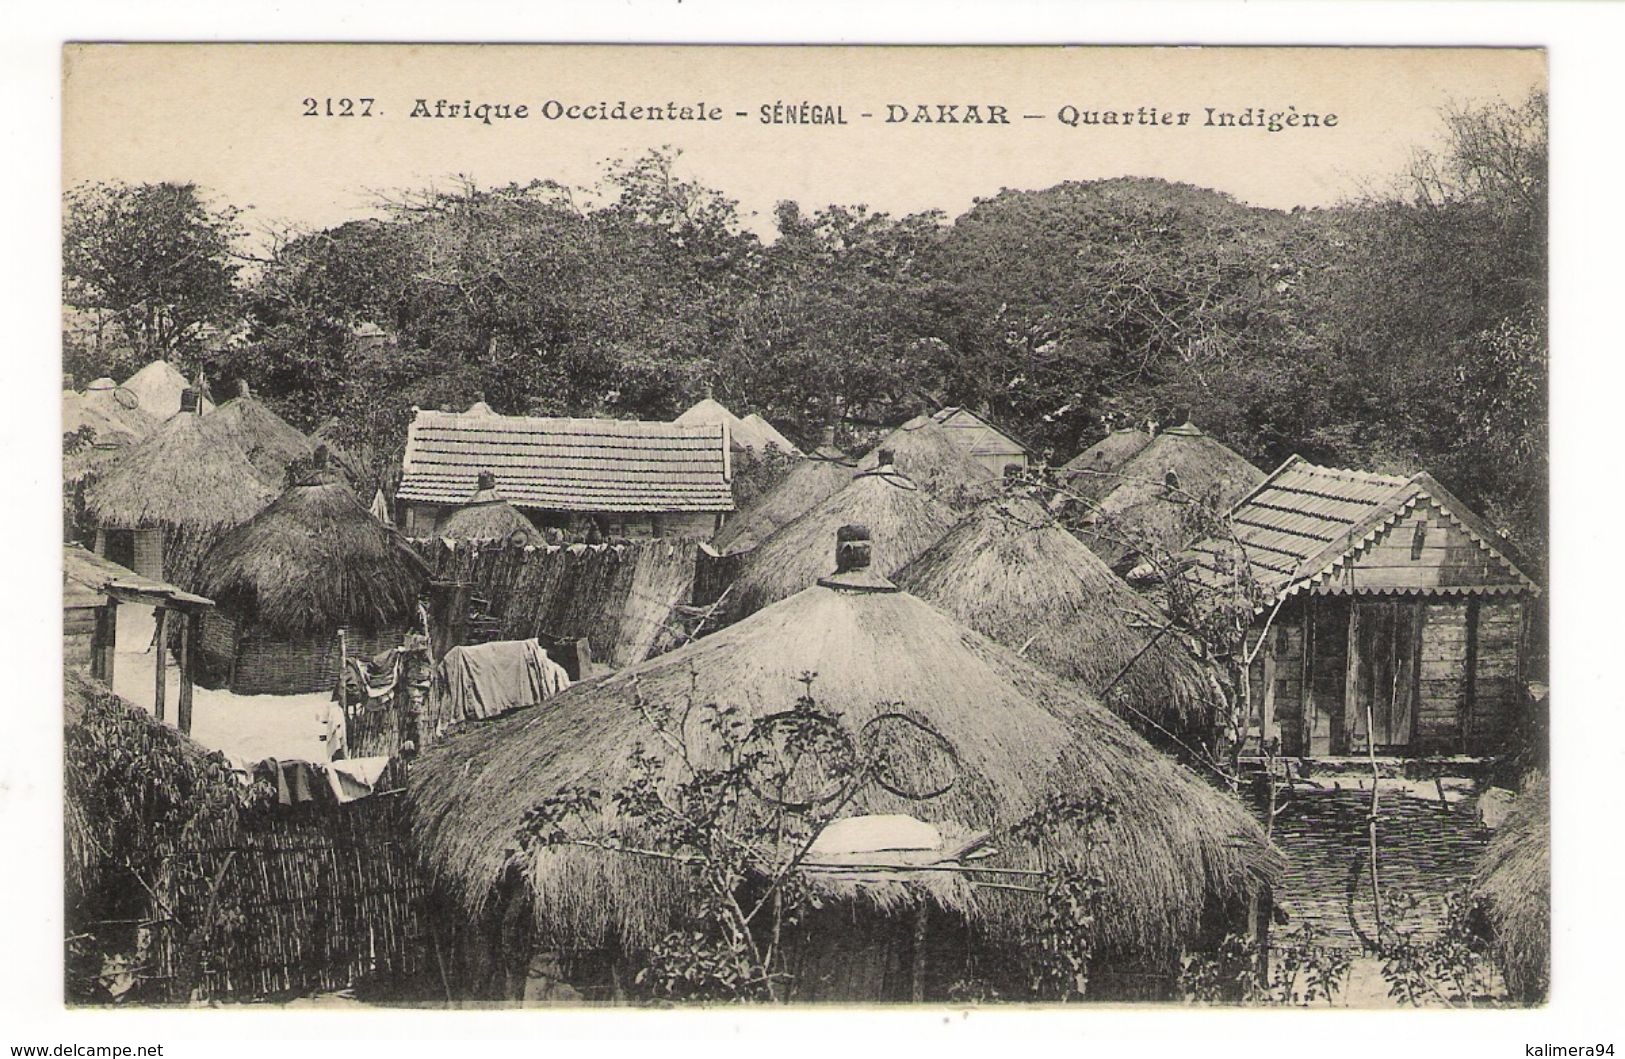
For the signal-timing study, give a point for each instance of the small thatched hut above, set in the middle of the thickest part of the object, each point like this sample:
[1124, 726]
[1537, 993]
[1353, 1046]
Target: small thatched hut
[810, 481]
[270, 442]
[1175, 858]
[905, 519]
[113, 412]
[158, 388]
[926, 451]
[1092, 473]
[161, 505]
[312, 563]
[488, 516]
[1151, 505]
[1514, 886]
[1010, 572]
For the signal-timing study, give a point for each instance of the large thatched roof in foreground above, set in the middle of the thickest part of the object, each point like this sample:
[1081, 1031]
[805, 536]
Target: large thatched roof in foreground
[190, 472]
[904, 518]
[270, 442]
[803, 486]
[1514, 881]
[1175, 848]
[1011, 573]
[924, 450]
[1144, 510]
[314, 560]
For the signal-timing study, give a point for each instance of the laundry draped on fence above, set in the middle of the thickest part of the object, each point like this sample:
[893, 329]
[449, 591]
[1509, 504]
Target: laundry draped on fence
[486, 680]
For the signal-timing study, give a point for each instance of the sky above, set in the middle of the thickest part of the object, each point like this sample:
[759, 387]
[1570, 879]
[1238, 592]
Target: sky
[232, 119]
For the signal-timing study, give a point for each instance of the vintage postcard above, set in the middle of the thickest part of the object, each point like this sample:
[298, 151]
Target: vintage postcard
[562, 526]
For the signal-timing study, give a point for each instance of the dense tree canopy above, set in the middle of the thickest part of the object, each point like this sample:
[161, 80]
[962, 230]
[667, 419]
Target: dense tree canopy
[1406, 330]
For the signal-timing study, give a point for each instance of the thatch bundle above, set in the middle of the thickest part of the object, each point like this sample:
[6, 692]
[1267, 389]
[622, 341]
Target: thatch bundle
[1151, 504]
[924, 450]
[190, 473]
[268, 440]
[487, 516]
[1092, 472]
[904, 518]
[1175, 849]
[313, 561]
[1514, 884]
[810, 481]
[1010, 572]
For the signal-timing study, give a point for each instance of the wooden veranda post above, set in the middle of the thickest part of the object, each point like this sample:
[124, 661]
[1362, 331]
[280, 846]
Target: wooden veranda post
[189, 635]
[161, 649]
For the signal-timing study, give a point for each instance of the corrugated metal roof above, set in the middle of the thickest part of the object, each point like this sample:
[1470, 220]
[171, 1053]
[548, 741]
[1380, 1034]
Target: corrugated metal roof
[1304, 521]
[568, 464]
[84, 572]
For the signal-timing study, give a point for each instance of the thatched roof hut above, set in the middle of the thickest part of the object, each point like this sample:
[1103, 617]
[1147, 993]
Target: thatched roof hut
[1010, 572]
[487, 516]
[1174, 850]
[158, 388]
[182, 486]
[810, 481]
[270, 442]
[114, 413]
[1514, 885]
[313, 562]
[1092, 472]
[1151, 504]
[189, 472]
[925, 450]
[904, 518]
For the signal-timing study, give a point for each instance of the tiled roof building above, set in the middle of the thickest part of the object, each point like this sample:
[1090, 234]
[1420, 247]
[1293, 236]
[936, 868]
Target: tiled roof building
[626, 477]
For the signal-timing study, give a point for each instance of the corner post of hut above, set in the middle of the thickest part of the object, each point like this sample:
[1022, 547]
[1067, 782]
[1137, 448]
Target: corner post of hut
[191, 633]
[160, 640]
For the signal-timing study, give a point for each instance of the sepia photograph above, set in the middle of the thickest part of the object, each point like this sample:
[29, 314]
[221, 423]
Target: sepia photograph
[588, 526]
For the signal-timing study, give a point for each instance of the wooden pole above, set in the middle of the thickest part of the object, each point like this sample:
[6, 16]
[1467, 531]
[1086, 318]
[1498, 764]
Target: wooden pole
[159, 639]
[1306, 730]
[917, 971]
[1351, 680]
[189, 634]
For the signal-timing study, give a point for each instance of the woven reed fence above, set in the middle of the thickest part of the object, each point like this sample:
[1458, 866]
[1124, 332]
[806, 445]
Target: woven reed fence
[289, 900]
[1424, 849]
[621, 598]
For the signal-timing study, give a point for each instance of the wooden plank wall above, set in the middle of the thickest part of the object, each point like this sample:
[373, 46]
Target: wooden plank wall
[1497, 674]
[1443, 683]
[1447, 556]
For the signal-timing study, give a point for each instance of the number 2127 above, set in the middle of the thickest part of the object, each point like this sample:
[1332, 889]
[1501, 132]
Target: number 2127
[338, 108]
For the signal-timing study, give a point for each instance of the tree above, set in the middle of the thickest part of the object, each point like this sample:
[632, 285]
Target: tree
[153, 264]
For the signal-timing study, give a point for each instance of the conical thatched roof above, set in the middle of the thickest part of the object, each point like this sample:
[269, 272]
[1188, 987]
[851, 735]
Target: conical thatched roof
[158, 388]
[1175, 848]
[1091, 473]
[314, 560]
[748, 432]
[924, 450]
[905, 521]
[770, 435]
[1514, 882]
[1143, 508]
[268, 440]
[112, 412]
[487, 516]
[803, 486]
[190, 472]
[1010, 572]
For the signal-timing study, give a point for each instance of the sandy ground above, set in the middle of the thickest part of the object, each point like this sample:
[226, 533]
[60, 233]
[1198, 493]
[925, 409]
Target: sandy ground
[247, 728]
